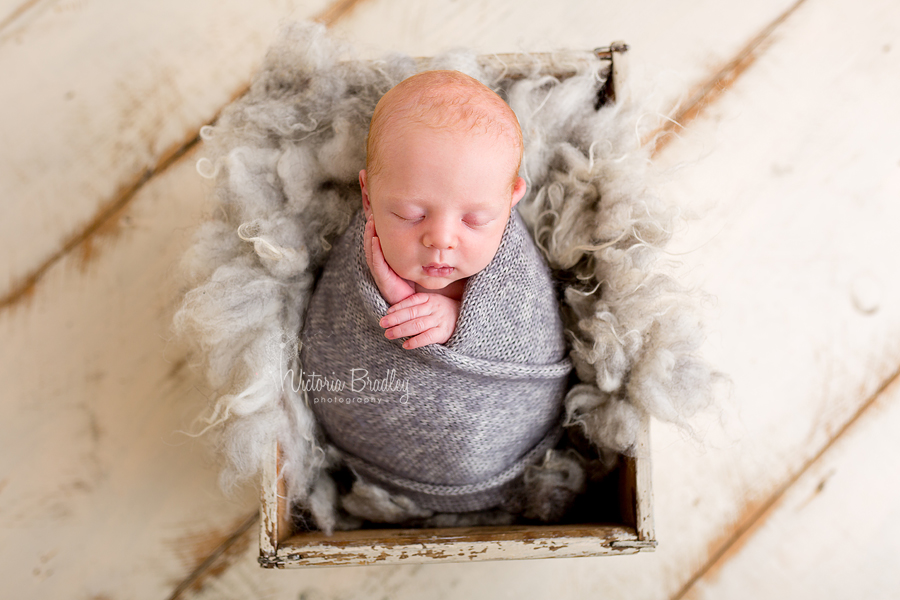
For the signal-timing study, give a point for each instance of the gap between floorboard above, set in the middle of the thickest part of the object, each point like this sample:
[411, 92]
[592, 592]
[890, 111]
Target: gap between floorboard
[758, 516]
[712, 89]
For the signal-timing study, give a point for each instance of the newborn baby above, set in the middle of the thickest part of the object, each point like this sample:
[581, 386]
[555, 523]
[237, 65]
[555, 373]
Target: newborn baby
[433, 352]
[441, 177]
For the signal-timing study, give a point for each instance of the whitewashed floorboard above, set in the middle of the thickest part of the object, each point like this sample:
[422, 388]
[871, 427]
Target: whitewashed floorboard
[12, 12]
[836, 533]
[94, 94]
[797, 169]
[99, 496]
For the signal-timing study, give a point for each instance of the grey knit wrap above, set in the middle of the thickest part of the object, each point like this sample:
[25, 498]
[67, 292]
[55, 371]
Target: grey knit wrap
[450, 426]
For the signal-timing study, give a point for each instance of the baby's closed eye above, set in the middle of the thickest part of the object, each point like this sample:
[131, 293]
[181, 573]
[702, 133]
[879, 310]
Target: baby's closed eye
[477, 220]
[409, 217]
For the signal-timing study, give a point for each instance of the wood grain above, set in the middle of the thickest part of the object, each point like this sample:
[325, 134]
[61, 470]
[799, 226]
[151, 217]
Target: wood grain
[13, 11]
[835, 532]
[98, 477]
[820, 211]
[97, 96]
[708, 91]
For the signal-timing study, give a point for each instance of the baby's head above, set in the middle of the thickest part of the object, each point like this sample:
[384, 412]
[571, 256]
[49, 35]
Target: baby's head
[441, 177]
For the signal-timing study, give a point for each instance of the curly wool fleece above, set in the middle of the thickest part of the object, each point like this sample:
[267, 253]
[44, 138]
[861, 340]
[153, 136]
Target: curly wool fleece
[285, 159]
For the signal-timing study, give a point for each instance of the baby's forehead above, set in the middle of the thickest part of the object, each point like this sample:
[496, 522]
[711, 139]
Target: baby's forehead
[466, 117]
[451, 131]
[405, 140]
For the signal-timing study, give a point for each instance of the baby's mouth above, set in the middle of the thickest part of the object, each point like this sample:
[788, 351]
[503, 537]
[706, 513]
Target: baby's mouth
[437, 269]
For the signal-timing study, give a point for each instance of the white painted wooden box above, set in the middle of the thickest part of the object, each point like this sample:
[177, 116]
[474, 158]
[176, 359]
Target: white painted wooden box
[630, 530]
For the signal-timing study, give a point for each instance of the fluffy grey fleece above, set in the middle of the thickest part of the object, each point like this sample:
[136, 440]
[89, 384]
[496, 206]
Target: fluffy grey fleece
[285, 159]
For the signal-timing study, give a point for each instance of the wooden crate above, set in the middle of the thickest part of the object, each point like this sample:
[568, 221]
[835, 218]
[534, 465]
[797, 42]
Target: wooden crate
[281, 547]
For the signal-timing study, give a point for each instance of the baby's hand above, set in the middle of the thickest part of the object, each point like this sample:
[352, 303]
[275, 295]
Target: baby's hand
[424, 318]
[393, 287]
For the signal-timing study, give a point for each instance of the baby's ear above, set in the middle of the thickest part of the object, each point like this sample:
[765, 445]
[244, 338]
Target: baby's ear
[518, 191]
[367, 206]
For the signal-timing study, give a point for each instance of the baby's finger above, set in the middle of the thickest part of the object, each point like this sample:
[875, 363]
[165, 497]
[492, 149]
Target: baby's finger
[403, 315]
[369, 243]
[411, 328]
[424, 339]
[378, 262]
[414, 300]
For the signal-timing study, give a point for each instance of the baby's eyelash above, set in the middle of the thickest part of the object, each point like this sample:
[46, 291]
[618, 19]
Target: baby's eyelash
[402, 218]
[476, 222]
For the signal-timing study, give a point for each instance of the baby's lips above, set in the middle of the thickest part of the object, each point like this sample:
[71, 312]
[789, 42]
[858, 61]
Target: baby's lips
[438, 270]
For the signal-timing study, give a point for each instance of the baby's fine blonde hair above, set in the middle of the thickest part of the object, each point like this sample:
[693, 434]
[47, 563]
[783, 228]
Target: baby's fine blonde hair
[448, 100]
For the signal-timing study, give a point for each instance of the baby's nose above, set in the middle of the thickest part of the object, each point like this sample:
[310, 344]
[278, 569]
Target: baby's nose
[439, 236]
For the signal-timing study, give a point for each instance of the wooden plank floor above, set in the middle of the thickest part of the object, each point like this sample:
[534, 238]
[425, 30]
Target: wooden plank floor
[102, 95]
[790, 115]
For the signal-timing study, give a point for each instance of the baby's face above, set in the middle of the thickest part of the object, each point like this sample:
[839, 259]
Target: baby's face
[441, 200]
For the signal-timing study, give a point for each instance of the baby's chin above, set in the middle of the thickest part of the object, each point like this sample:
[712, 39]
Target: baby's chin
[440, 285]
[433, 284]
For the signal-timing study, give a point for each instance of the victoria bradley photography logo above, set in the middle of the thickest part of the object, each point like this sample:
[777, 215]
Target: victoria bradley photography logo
[357, 385]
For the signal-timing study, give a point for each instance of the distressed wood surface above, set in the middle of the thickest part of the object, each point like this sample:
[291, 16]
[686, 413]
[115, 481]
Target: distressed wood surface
[835, 533]
[456, 544]
[100, 499]
[802, 261]
[12, 10]
[98, 96]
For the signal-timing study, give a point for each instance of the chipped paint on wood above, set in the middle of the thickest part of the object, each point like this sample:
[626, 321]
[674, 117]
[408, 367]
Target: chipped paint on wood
[755, 515]
[792, 553]
[107, 223]
[456, 545]
[643, 486]
[194, 547]
[12, 14]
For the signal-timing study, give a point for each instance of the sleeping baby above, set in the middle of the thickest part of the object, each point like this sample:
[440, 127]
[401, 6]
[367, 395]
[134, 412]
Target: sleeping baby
[433, 353]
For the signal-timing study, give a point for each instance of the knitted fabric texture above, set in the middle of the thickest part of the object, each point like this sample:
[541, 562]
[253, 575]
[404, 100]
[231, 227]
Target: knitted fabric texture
[451, 426]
